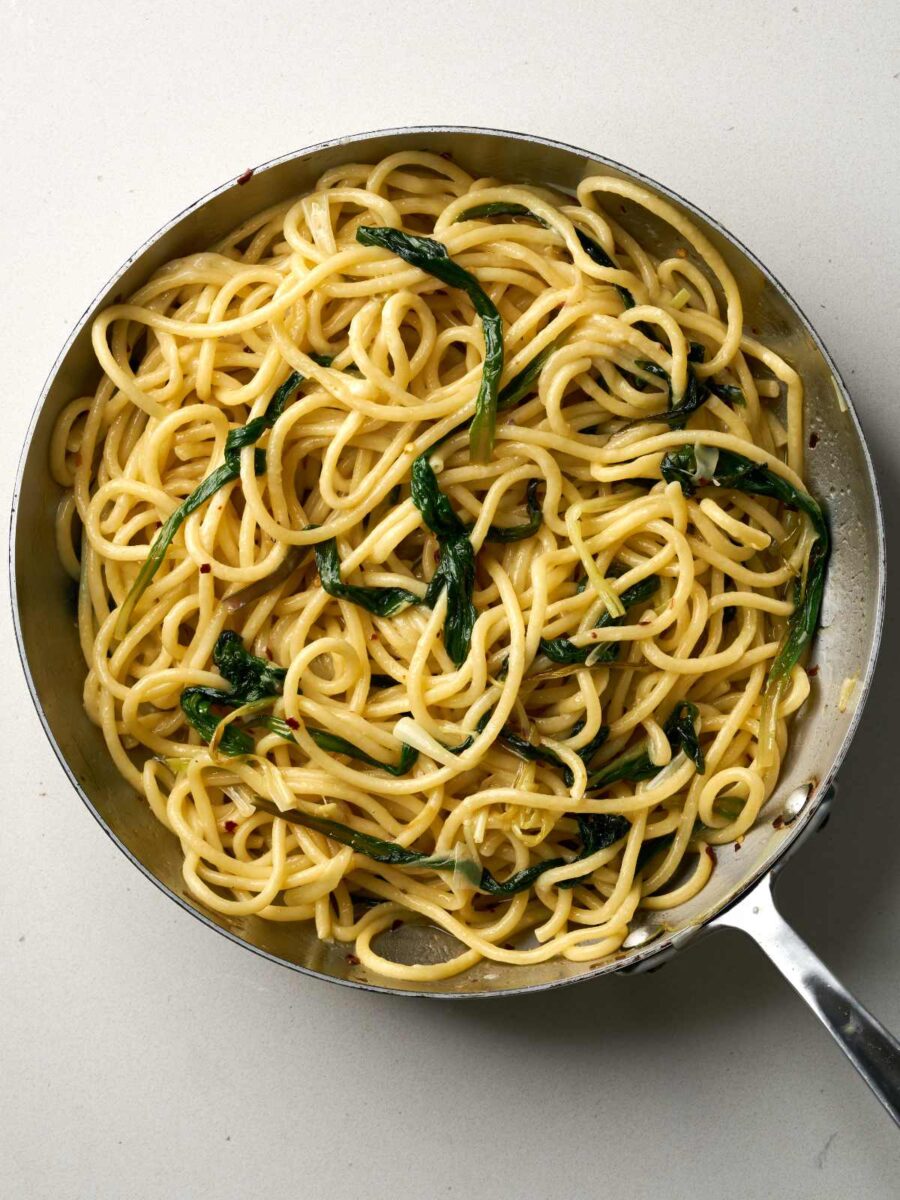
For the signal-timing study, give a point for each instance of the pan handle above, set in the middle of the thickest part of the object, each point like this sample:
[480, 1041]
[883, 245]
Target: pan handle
[870, 1047]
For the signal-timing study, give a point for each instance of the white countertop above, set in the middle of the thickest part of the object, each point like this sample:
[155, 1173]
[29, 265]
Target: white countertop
[142, 1056]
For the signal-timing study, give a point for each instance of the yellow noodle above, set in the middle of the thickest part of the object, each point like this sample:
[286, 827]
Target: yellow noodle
[202, 347]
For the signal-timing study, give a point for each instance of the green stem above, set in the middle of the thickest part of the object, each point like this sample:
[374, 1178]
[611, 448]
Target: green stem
[381, 601]
[431, 256]
[563, 651]
[236, 441]
[634, 763]
[744, 475]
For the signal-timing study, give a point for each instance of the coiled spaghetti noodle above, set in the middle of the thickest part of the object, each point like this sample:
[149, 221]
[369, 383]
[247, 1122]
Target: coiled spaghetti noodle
[392, 360]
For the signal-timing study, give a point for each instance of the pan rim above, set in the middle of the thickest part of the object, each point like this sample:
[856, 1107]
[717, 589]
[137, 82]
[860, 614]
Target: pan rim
[658, 948]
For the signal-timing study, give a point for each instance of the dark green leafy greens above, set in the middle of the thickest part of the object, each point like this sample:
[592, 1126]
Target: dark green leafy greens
[225, 473]
[381, 601]
[254, 679]
[378, 849]
[251, 679]
[339, 745]
[727, 392]
[597, 831]
[593, 249]
[498, 208]
[456, 573]
[563, 651]
[523, 383]
[438, 514]
[197, 704]
[530, 752]
[437, 511]
[382, 681]
[526, 750]
[470, 738]
[431, 256]
[589, 749]
[634, 763]
[518, 533]
[456, 569]
[744, 475]
[695, 393]
[681, 730]
[229, 470]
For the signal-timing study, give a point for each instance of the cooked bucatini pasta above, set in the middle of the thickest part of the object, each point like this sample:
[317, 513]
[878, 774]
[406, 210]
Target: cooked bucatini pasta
[445, 557]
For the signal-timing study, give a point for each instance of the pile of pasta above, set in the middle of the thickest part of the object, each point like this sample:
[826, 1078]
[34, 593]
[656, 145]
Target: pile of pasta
[444, 557]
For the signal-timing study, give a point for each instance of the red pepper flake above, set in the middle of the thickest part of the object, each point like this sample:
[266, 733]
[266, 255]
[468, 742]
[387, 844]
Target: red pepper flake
[778, 823]
[710, 852]
[205, 569]
[246, 177]
[268, 654]
[813, 440]
[373, 637]
[446, 154]
[352, 960]
[812, 672]
[230, 826]
[292, 722]
[681, 252]
[395, 925]
[78, 459]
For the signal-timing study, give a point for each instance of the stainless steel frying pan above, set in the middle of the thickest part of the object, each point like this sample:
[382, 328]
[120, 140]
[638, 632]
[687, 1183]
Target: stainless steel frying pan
[739, 893]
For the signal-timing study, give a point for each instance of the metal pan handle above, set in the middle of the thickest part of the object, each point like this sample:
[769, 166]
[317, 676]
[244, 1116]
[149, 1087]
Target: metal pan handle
[870, 1047]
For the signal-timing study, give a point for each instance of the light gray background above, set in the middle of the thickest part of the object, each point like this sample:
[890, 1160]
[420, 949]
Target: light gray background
[141, 1055]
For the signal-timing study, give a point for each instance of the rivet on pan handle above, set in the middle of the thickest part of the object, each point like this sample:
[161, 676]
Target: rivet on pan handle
[870, 1047]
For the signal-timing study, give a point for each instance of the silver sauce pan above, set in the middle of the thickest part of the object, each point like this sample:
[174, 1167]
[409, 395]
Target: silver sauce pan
[739, 894]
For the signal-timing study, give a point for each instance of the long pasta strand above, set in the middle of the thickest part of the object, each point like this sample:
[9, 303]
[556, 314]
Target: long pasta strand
[391, 361]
